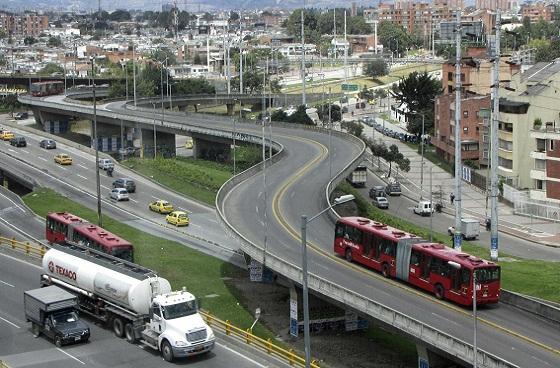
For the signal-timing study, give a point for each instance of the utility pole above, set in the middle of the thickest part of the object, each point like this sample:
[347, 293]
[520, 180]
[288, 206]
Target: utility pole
[240, 54]
[494, 145]
[457, 235]
[345, 52]
[134, 73]
[303, 100]
[97, 178]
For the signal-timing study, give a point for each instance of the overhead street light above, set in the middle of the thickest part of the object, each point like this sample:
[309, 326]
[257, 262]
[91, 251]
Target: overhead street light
[422, 154]
[304, 222]
[96, 143]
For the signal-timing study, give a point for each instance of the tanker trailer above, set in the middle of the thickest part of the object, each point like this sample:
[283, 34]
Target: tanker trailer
[130, 299]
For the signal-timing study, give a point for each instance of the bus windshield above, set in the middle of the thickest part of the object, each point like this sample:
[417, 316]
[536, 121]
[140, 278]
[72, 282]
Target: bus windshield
[487, 274]
[123, 253]
[179, 310]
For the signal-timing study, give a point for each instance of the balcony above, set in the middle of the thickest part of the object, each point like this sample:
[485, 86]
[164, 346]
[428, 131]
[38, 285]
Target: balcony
[505, 135]
[539, 155]
[538, 174]
[505, 154]
[546, 132]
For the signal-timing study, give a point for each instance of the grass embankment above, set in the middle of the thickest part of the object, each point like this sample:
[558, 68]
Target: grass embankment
[530, 277]
[203, 275]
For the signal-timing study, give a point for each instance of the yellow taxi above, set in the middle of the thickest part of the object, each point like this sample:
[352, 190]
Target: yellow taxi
[6, 135]
[63, 159]
[161, 206]
[178, 218]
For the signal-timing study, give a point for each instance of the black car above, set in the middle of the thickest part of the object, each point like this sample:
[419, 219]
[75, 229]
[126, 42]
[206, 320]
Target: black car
[47, 144]
[21, 115]
[377, 191]
[18, 142]
[125, 183]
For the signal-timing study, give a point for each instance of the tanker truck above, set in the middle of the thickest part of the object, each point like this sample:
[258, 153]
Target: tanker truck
[131, 300]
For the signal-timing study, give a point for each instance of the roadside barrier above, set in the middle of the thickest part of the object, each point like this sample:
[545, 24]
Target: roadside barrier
[249, 338]
[27, 247]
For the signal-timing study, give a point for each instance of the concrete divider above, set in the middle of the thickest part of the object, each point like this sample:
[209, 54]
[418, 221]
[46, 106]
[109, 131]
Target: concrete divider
[531, 305]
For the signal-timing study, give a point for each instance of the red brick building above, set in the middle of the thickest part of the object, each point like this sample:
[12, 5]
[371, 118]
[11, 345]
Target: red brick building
[536, 11]
[24, 25]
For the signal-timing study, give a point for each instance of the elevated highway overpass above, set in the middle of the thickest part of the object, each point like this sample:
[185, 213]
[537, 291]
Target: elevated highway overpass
[298, 182]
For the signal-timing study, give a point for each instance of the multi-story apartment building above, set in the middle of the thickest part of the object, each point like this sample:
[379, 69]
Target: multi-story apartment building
[496, 4]
[538, 10]
[476, 80]
[23, 25]
[528, 133]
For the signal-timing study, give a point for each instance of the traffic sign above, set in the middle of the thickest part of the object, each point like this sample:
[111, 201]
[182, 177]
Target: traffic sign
[346, 87]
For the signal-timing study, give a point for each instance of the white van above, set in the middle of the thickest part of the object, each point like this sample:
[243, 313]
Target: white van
[423, 208]
[106, 163]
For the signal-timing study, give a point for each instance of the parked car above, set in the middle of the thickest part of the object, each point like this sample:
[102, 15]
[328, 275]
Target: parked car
[18, 142]
[47, 144]
[21, 115]
[125, 183]
[119, 194]
[377, 191]
[63, 159]
[178, 218]
[381, 202]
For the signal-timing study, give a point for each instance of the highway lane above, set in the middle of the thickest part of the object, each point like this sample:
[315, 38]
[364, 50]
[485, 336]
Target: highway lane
[296, 191]
[18, 348]
[306, 200]
[401, 206]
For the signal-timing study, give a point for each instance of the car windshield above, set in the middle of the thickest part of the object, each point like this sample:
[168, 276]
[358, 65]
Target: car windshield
[182, 215]
[165, 203]
[179, 310]
[62, 318]
[381, 200]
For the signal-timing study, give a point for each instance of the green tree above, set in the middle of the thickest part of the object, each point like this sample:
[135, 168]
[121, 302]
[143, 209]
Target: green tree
[29, 40]
[310, 20]
[161, 54]
[376, 68]
[548, 51]
[393, 155]
[51, 68]
[120, 16]
[393, 37]
[3, 34]
[323, 112]
[353, 128]
[54, 41]
[194, 86]
[151, 78]
[117, 89]
[300, 116]
[196, 59]
[146, 88]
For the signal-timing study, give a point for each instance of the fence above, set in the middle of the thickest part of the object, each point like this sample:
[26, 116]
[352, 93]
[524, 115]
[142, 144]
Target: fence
[524, 205]
[247, 337]
[27, 247]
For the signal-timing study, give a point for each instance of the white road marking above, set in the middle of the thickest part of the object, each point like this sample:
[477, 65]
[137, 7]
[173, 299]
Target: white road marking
[156, 198]
[83, 177]
[25, 151]
[103, 186]
[133, 200]
[71, 356]
[242, 355]
[196, 226]
[21, 261]
[14, 203]
[11, 150]
[447, 319]
[540, 360]
[5, 283]
[42, 158]
[85, 167]
[63, 168]
[10, 323]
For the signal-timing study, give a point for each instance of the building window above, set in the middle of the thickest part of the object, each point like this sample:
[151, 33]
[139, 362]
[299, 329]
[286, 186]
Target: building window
[552, 145]
[466, 114]
[539, 184]
[477, 129]
[541, 145]
[505, 163]
[462, 77]
[465, 129]
[450, 76]
[540, 164]
[505, 145]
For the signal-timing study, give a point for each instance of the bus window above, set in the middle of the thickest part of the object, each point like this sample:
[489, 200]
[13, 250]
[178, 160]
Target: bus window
[354, 235]
[389, 247]
[340, 230]
[415, 258]
[465, 276]
[487, 274]
[366, 252]
[378, 248]
[124, 253]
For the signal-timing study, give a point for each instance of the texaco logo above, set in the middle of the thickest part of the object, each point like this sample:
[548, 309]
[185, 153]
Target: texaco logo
[51, 266]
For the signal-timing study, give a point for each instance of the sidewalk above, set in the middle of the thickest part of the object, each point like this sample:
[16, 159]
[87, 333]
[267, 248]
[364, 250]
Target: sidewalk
[473, 198]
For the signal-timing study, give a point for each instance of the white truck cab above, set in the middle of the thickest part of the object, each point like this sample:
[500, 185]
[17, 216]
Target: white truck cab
[176, 328]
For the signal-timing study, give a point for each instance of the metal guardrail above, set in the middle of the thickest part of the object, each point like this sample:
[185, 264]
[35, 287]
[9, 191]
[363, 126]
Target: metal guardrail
[249, 338]
[27, 247]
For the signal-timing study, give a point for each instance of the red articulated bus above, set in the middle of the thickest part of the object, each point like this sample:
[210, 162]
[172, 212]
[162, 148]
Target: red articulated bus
[48, 88]
[430, 266]
[63, 227]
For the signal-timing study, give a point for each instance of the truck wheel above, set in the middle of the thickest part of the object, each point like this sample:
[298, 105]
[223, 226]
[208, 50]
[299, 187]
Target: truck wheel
[166, 351]
[129, 333]
[118, 327]
[35, 329]
[348, 254]
[58, 341]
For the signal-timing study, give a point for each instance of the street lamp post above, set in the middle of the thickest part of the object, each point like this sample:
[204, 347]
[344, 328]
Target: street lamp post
[97, 178]
[304, 222]
[422, 156]
[155, 142]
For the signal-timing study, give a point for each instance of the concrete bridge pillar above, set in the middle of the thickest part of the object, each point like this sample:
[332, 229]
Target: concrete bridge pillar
[52, 123]
[164, 144]
[209, 150]
[230, 107]
[429, 359]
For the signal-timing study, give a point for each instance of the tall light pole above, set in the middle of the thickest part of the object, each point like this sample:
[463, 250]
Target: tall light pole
[134, 72]
[494, 145]
[123, 64]
[96, 144]
[304, 222]
[330, 135]
[432, 205]
[457, 236]
[155, 137]
[303, 97]
[422, 156]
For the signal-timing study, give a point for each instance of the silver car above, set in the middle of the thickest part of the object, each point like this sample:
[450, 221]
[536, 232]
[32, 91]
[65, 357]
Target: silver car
[119, 194]
[381, 202]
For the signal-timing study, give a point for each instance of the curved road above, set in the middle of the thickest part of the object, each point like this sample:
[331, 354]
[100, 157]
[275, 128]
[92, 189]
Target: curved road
[296, 186]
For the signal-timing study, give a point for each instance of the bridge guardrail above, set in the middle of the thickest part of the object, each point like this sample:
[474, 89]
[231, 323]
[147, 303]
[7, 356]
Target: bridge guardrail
[249, 338]
[402, 322]
[27, 247]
